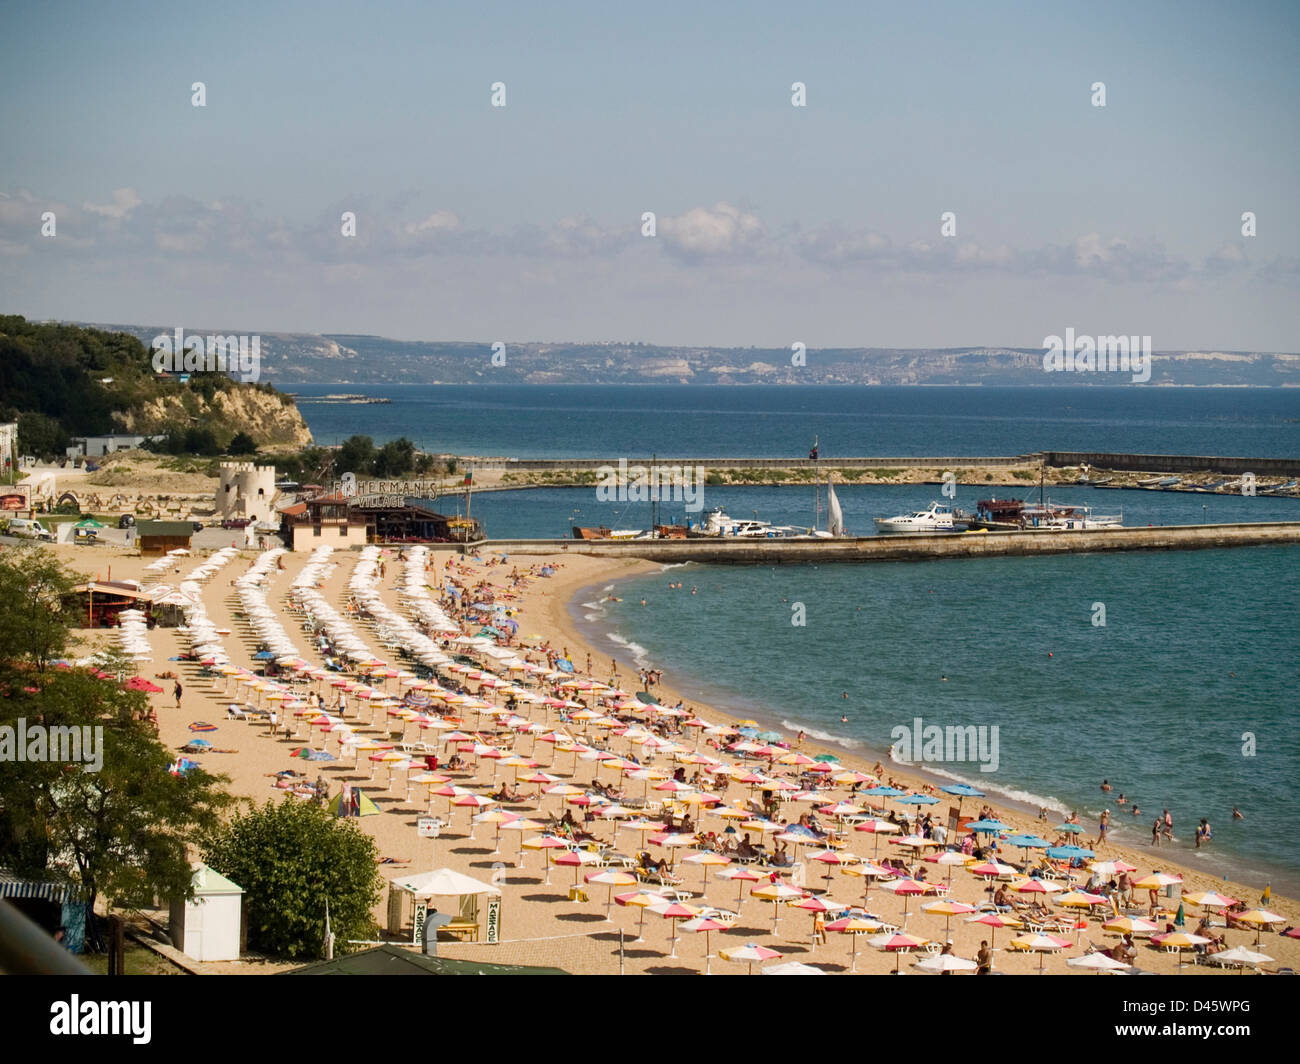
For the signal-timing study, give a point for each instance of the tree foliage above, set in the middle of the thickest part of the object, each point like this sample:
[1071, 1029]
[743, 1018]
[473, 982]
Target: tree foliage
[290, 859]
[36, 611]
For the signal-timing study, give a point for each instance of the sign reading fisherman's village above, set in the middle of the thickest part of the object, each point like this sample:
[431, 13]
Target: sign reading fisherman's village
[384, 492]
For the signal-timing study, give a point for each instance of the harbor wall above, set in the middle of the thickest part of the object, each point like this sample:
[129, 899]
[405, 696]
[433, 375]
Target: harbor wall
[914, 548]
[1175, 463]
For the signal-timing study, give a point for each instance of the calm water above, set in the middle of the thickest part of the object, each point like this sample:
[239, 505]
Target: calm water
[1198, 649]
[578, 421]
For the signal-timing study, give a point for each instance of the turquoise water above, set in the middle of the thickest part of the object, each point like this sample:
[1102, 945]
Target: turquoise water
[1198, 649]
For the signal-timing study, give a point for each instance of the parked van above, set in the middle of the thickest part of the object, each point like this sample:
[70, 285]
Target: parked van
[19, 526]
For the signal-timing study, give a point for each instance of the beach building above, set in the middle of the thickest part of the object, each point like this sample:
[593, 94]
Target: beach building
[245, 489]
[98, 602]
[50, 904]
[98, 446]
[344, 521]
[159, 537]
[209, 926]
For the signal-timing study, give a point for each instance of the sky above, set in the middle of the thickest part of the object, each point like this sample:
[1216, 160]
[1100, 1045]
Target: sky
[774, 224]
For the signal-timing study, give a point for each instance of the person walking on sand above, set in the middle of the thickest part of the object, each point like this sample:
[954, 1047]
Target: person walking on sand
[1155, 832]
[1103, 827]
[273, 720]
[177, 690]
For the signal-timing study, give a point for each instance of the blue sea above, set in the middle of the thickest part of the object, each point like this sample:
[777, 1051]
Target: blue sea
[1184, 699]
[577, 421]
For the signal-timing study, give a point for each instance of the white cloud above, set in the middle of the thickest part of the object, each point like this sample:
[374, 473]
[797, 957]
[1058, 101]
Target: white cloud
[706, 232]
[125, 200]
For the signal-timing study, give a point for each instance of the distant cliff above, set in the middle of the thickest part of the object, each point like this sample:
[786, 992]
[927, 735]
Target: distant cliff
[297, 358]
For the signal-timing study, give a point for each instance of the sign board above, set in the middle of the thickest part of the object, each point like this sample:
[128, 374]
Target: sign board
[428, 827]
[494, 919]
[421, 911]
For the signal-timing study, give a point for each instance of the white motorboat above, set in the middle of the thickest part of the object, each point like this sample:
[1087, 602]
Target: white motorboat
[938, 518]
[720, 524]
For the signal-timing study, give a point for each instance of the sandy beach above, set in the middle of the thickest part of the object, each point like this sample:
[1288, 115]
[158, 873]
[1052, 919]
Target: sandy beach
[540, 924]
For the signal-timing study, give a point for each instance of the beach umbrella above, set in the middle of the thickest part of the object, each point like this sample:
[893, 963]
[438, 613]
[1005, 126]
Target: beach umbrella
[948, 909]
[897, 943]
[675, 911]
[1068, 853]
[833, 859]
[996, 920]
[855, 926]
[642, 900]
[907, 887]
[1261, 918]
[1131, 925]
[612, 878]
[1038, 886]
[1068, 828]
[817, 907]
[877, 828]
[868, 872]
[706, 861]
[1098, 962]
[993, 869]
[945, 962]
[791, 968]
[576, 858]
[1041, 944]
[777, 893]
[950, 858]
[1243, 956]
[748, 954]
[741, 875]
[706, 924]
[1210, 899]
[1179, 940]
[545, 843]
[498, 817]
[989, 826]
[1111, 868]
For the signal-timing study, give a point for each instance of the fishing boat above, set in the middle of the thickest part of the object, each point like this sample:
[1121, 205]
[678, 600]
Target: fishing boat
[938, 518]
[1056, 517]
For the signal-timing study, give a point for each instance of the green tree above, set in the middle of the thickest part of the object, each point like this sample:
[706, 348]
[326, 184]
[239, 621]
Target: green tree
[394, 459]
[291, 859]
[241, 443]
[116, 821]
[36, 608]
[41, 435]
[356, 455]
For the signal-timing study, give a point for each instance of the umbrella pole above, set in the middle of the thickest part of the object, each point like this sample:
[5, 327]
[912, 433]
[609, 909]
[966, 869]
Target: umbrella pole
[709, 956]
[853, 957]
[673, 952]
[640, 930]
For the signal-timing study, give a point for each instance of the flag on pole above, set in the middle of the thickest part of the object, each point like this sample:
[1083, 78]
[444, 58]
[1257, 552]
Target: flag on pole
[469, 478]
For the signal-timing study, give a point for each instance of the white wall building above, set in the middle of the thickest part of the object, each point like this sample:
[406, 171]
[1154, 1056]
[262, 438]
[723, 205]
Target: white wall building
[246, 490]
[207, 927]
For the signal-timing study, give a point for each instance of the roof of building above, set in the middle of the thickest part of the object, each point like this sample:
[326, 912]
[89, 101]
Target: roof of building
[165, 528]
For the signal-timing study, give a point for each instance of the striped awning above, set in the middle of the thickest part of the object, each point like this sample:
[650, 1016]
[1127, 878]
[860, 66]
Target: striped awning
[12, 886]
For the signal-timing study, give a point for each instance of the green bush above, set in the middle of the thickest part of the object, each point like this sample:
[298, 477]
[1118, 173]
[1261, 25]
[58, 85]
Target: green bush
[291, 859]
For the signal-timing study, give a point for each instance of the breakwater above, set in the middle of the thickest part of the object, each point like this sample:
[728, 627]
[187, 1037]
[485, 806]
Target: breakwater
[913, 548]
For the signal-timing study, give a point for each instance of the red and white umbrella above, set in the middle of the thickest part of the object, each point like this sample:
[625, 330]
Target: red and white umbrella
[748, 954]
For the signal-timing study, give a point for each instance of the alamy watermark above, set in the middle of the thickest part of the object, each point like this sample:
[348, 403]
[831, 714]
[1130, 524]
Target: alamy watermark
[36, 742]
[240, 356]
[1100, 354]
[923, 743]
[656, 483]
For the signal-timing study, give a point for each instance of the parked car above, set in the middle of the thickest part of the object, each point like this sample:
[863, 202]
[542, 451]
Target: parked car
[126, 521]
[236, 522]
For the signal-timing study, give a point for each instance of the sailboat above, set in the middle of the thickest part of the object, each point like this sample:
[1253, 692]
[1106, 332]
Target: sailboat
[834, 515]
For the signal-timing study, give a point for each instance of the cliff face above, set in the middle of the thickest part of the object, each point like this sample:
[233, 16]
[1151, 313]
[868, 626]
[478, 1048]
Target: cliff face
[270, 419]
